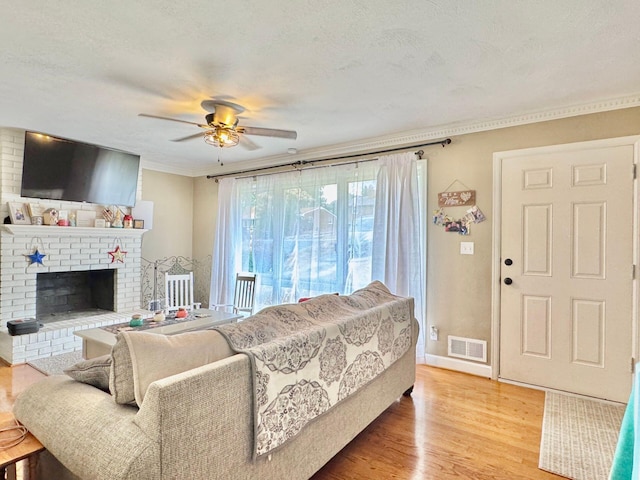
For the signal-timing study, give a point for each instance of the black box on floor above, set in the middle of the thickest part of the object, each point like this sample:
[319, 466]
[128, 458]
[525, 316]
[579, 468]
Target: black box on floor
[20, 327]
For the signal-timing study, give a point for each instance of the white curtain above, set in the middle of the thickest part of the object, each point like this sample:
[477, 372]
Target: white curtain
[226, 258]
[399, 233]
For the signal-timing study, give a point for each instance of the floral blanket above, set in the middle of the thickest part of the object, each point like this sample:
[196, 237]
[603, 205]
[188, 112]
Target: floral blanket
[307, 357]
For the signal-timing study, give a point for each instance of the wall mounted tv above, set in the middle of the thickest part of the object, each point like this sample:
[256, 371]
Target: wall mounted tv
[60, 169]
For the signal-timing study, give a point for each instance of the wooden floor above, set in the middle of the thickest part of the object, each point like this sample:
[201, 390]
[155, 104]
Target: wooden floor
[454, 426]
[14, 380]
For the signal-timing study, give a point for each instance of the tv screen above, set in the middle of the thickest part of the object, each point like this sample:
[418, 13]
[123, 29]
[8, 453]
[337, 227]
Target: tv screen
[59, 169]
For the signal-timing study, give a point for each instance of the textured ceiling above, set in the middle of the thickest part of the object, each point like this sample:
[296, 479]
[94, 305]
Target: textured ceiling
[340, 72]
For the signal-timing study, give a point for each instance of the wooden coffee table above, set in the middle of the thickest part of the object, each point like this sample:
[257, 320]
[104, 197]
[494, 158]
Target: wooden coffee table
[97, 341]
[26, 450]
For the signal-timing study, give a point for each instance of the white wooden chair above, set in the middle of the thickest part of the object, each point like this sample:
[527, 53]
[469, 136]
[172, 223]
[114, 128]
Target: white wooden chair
[244, 294]
[178, 292]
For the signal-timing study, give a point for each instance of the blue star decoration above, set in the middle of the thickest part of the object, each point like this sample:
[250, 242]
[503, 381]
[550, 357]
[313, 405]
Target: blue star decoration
[117, 255]
[36, 257]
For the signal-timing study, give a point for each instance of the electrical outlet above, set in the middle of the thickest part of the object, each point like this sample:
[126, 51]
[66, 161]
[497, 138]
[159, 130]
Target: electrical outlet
[433, 333]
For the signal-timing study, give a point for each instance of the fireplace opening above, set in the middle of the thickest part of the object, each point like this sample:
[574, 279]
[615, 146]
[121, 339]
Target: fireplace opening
[69, 295]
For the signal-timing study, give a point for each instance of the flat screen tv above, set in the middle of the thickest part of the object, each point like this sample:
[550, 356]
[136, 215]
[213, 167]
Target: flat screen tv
[60, 169]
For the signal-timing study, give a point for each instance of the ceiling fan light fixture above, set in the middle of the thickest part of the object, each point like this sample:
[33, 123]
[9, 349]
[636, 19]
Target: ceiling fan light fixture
[222, 137]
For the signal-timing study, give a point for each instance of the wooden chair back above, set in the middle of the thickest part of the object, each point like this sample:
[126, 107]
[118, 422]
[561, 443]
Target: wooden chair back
[245, 293]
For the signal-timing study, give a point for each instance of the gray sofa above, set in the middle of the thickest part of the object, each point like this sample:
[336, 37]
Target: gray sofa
[197, 424]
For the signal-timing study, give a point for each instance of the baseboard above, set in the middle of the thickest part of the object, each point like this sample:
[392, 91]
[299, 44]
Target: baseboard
[458, 365]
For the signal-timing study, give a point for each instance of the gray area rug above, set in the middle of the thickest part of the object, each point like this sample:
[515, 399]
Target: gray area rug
[579, 436]
[56, 364]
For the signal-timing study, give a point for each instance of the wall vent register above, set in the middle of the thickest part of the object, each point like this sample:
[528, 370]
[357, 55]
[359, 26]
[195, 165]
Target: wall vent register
[467, 348]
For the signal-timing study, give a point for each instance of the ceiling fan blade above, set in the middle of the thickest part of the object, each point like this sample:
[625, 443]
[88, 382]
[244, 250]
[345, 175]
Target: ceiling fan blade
[189, 137]
[268, 132]
[248, 144]
[172, 120]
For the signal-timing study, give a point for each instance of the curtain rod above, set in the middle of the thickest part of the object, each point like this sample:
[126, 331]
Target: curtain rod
[310, 163]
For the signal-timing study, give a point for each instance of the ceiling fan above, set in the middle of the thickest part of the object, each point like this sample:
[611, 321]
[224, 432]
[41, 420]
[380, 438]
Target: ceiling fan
[222, 129]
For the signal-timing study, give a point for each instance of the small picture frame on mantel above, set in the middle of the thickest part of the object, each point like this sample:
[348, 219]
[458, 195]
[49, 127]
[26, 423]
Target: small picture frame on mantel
[19, 213]
[85, 218]
[36, 210]
[138, 223]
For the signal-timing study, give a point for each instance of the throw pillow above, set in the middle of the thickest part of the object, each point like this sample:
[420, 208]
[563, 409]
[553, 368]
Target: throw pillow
[94, 371]
[154, 356]
[121, 373]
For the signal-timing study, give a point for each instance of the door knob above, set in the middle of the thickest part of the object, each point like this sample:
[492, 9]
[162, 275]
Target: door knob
[508, 261]
[508, 281]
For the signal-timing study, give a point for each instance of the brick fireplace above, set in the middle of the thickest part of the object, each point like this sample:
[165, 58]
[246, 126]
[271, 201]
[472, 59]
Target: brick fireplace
[66, 249]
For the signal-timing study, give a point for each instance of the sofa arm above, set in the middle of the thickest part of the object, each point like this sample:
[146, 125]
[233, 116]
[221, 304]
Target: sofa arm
[87, 431]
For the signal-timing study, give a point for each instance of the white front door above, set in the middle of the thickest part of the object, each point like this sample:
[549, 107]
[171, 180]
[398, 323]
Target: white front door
[566, 268]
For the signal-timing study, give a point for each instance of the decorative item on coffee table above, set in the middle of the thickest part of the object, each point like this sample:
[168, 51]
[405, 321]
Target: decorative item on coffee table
[136, 320]
[147, 323]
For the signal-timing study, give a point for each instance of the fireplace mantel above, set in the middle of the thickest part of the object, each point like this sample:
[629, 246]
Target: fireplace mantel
[72, 231]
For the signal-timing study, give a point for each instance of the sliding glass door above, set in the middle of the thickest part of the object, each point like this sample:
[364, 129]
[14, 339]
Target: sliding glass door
[308, 234]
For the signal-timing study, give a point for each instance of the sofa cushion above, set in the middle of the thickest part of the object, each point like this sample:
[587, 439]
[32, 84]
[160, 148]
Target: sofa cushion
[152, 357]
[94, 371]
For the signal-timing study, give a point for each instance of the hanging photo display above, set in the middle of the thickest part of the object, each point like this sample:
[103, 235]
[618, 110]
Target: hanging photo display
[474, 215]
[458, 198]
[460, 226]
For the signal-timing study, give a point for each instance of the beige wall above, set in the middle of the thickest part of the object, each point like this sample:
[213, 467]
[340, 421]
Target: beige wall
[184, 214]
[173, 218]
[459, 286]
[205, 210]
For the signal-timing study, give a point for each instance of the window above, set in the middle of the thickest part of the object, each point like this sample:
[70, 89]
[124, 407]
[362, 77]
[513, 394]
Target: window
[308, 233]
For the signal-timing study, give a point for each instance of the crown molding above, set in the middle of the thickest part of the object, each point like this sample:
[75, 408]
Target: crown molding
[419, 135]
[165, 168]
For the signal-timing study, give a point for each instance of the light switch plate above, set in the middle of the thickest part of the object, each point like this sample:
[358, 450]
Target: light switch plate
[466, 248]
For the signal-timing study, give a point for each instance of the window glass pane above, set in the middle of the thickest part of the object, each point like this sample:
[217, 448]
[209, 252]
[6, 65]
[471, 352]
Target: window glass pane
[361, 207]
[317, 246]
